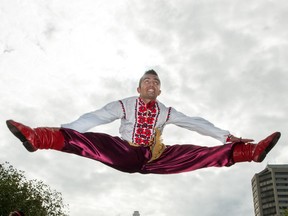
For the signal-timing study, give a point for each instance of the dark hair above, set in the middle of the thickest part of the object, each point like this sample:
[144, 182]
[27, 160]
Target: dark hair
[146, 73]
[17, 213]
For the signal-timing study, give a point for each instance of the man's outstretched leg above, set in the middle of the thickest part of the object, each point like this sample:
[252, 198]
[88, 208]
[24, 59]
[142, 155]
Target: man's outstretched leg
[37, 138]
[184, 158]
[112, 151]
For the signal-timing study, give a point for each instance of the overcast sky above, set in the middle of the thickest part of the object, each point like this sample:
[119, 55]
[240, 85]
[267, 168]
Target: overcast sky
[222, 60]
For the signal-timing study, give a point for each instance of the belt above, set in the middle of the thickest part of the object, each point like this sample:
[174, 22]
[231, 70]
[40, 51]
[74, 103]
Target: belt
[156, 146]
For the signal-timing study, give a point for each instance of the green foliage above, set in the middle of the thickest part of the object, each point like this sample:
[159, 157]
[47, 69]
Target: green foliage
[33, 197]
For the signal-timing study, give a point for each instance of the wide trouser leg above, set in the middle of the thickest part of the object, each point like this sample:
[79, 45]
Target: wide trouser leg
[185, 158]
[112, 151]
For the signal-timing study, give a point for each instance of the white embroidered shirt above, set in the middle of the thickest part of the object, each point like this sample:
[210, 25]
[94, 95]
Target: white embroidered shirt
[139, 120]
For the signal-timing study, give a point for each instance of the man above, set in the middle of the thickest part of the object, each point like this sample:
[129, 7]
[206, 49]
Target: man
[140, 149]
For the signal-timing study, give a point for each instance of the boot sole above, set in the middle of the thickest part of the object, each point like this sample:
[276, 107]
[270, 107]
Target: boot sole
[20, 136]
[270, 146]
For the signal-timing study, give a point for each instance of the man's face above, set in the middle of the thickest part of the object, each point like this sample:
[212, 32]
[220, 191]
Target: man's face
[149, 87]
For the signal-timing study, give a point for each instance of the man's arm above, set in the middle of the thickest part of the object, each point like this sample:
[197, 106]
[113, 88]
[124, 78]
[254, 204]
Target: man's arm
[107, 114]
[203, 127]
[199, 125]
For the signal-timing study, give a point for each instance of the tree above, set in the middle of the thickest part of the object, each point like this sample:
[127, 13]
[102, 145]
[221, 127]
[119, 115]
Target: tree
[33, 197]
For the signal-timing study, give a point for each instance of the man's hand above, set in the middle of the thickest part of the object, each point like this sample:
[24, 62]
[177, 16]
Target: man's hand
[232, 138]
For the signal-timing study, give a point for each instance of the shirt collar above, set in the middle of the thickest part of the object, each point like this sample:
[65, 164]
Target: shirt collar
[149, 105]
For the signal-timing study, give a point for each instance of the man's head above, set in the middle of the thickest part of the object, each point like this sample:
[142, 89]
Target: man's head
[149, 86]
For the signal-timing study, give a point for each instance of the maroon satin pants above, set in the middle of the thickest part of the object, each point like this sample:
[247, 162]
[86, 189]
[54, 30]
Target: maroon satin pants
[120, 155]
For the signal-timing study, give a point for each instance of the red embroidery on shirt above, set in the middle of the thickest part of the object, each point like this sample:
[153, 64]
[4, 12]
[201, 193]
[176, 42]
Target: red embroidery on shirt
[146, 116]
[123, 109]
[169, 113]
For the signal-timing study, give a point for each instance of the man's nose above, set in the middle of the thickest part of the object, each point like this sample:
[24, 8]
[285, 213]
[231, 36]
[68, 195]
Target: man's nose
[152, 84]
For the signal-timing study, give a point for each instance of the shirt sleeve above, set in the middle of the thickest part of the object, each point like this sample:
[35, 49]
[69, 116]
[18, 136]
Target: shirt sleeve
[106, 114]
[197, 124]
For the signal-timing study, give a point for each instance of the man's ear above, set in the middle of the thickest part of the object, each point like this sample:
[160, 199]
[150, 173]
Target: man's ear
[138, 90]
[159, 92]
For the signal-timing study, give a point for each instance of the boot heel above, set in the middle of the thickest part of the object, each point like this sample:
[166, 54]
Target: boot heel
[29, 146]
[261, 157]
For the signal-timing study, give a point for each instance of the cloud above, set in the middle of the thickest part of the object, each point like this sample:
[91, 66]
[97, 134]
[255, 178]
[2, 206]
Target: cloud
[225, 61]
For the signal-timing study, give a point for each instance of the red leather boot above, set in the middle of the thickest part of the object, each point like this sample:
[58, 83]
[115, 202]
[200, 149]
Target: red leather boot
[37, 138]
[255, 152]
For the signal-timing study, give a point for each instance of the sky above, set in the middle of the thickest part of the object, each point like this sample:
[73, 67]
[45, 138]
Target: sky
[223, 60]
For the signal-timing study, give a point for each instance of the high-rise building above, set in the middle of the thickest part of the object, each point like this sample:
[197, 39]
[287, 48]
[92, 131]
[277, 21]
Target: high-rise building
[136, 213]
[270, 191]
